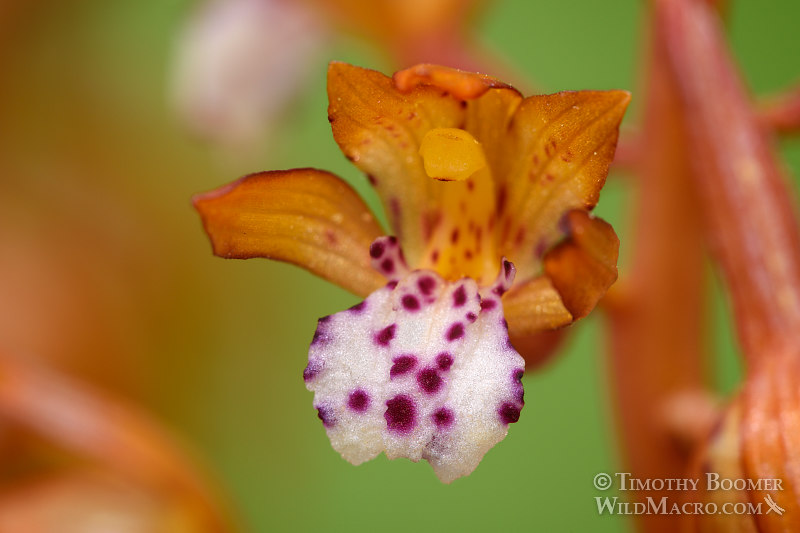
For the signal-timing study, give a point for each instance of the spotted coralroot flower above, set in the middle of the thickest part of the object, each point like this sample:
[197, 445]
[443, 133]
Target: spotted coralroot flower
[487, 194]
[751, 457]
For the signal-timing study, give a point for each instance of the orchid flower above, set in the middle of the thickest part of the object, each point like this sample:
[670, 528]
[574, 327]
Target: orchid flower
[488, 197]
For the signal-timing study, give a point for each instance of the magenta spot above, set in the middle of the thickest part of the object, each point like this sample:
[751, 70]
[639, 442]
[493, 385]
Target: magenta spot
[507, 266]
[376, 249]
[312, 369]
[391, 285]
[321, 335]
[517, 375]
[401, 414]
[499, 290]
[410, 303]
[426, 285]
[460, 296]
[358, 401]
[384, 336]
[444, 361]
[325, 414]
[488, 305]
[443, 417]
[429, 380]
[358, 307]
[509, 413]
[472, 317]
[402, 365]
[504, 322]
[387, 266]
[456, 331]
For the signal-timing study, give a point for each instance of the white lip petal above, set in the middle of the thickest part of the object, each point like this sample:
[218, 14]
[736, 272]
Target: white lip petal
[421, 369]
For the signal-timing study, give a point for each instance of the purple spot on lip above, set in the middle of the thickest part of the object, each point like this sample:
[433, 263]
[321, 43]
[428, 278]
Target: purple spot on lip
[376, 250]
[391, 285]
[429, 380]
[384, 336]
[358, 401]
[460, 296]
[358, 307]
[488, 305]
[456, 331]
[443, 417]
[325, 414]
[387, 266]
[410, 303]
[402, 364]
[517, 375]
[444, 361]
[401, 414]
[472, 317]
[320, 335]
[426, 285]
[311, 370]
[509, 413]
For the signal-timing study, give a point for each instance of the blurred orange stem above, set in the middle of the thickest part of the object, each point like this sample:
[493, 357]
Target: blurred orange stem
[781, 112]
[657, 324]
[750, 218]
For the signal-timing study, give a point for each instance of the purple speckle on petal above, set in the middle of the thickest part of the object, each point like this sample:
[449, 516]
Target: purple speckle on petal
[401, 413]
[472, 317]
[402, 365]
[387, 266]
[507, 268]
[488, 305]
[384, 336]
[509, 413]
[358, 307]
[426, 285]
[429, 380]
[443, 417]
[391, 285]
[456, 331]
[311, 370]
[410, 302]
[444, 361]
[326, 415]
[460, 296]
[358, 401]
[517, 375]
[376, 249]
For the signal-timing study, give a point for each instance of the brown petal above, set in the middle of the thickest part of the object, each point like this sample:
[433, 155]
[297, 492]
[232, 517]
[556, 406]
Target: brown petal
[461, 84]
[534, 306]
[306, 217]
[556, 159]
[583, 267]
[380, 129]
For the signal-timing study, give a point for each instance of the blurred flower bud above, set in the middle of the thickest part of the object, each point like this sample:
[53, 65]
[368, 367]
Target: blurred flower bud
[752, 457]
[239, 62]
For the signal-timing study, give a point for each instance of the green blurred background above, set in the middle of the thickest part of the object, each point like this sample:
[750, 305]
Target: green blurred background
[107, 274]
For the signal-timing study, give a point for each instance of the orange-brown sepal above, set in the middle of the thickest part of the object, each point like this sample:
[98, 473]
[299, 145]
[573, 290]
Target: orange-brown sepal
[584, 266]
[461, 84]
[307, 217]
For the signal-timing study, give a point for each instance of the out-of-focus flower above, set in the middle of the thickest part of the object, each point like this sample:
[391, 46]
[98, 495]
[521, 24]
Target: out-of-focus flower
[469, 173]
[239, 61]
[75, 459]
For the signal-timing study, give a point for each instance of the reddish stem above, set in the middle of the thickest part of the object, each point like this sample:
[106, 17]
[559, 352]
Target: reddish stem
[781, 112]
[750, 217]
[657, 354]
